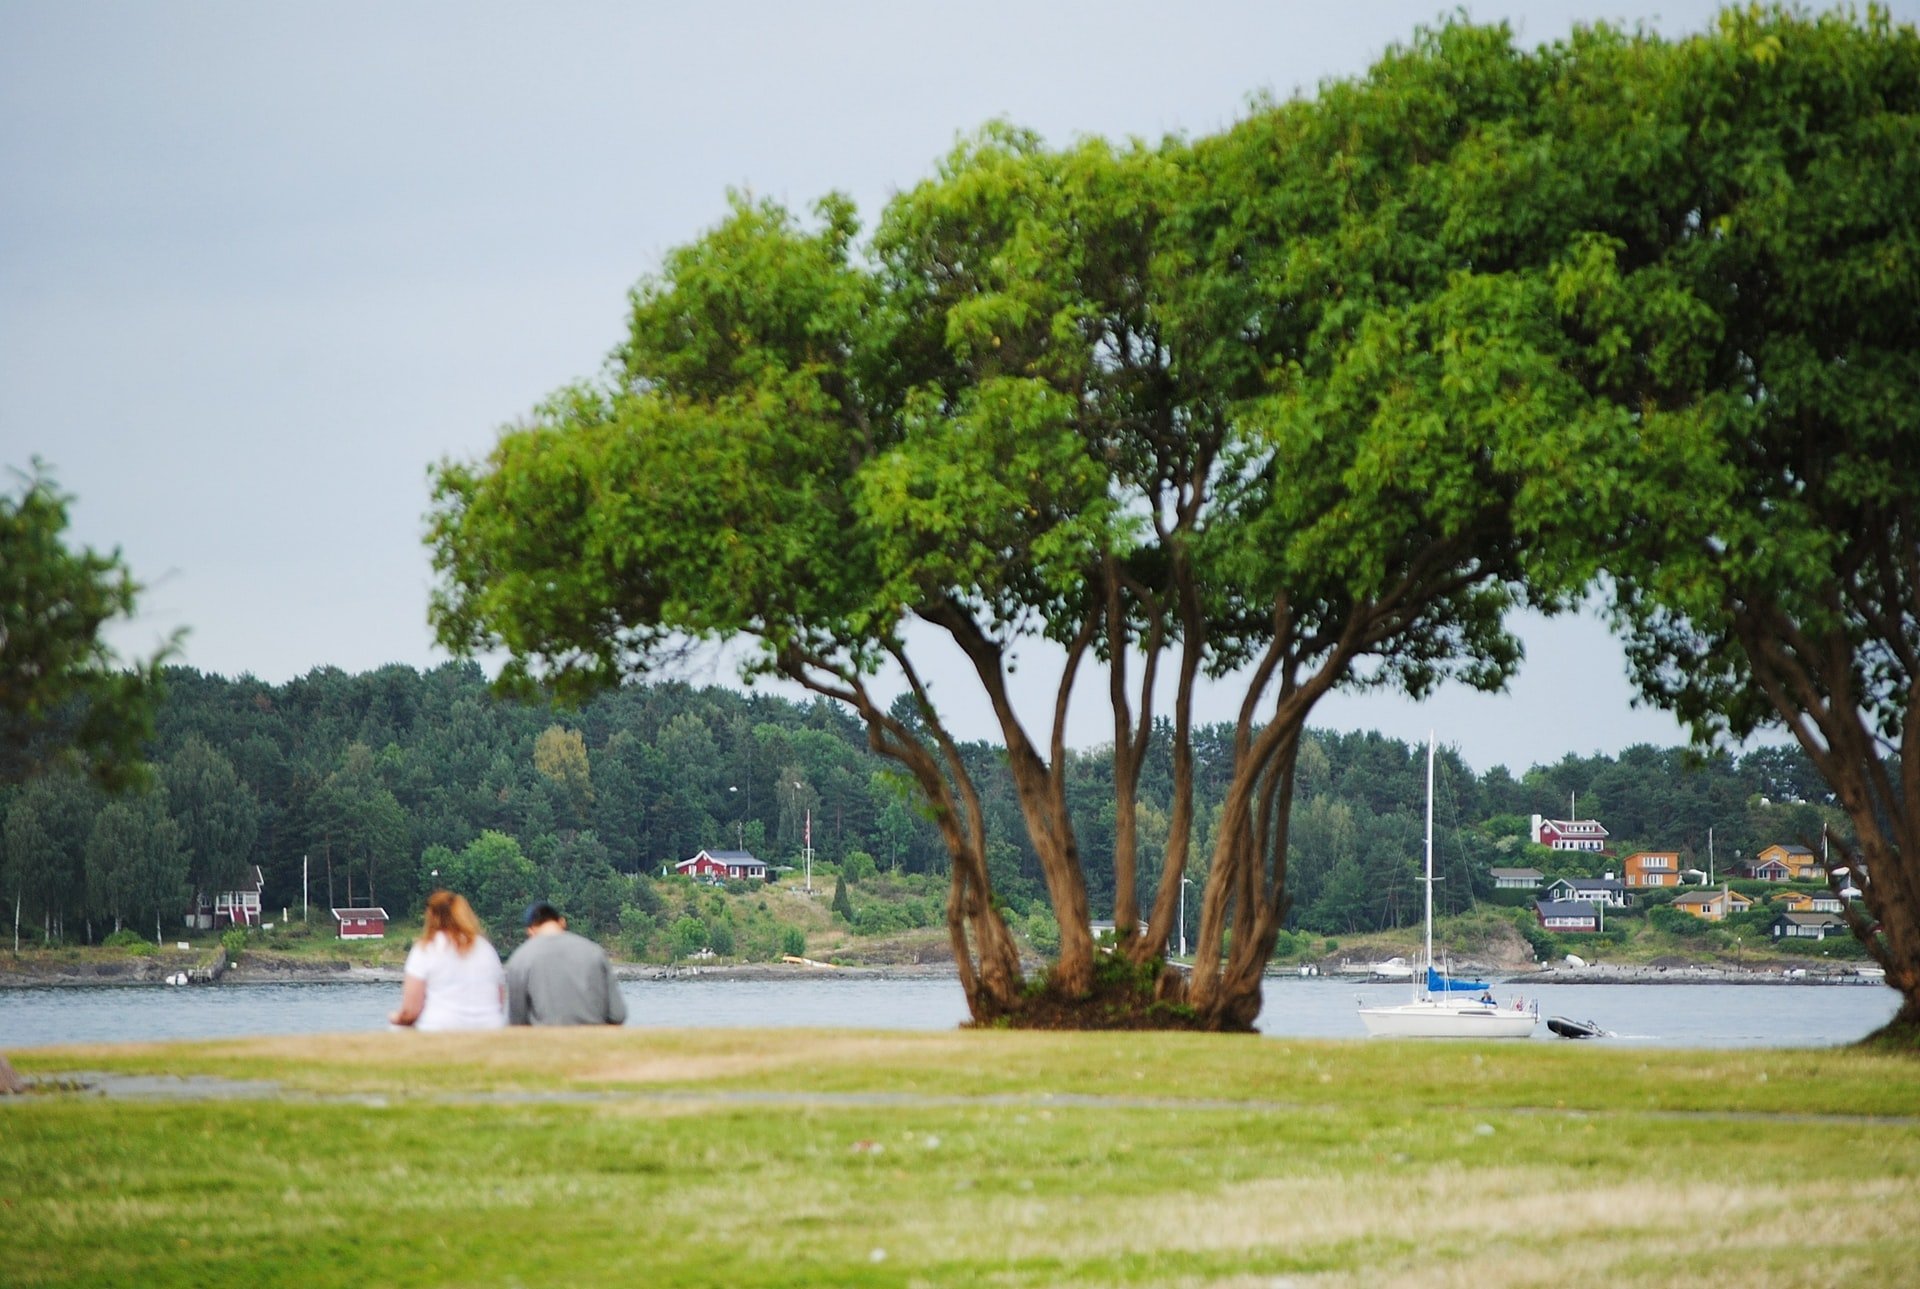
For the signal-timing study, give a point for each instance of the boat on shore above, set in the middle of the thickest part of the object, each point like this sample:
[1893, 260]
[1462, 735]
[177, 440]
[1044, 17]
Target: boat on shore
[1391, 969]
[1443, 1005]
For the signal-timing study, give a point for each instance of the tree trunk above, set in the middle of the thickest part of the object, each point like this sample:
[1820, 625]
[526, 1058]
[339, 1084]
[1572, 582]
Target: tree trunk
[984, 953]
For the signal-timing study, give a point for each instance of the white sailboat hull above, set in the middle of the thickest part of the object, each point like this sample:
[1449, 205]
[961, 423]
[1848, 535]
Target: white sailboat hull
[1446, 1020]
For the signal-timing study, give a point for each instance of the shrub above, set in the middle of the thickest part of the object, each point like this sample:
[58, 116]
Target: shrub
[1675, 923]
[689, 937]
[234, 940]
[793, 942]
[720, 938]
[127, 939]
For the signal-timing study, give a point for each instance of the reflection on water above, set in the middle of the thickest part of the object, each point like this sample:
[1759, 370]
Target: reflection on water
[1654, 1015]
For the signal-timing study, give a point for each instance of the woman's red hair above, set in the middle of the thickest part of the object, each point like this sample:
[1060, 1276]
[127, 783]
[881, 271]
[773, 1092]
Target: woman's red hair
[452, 914]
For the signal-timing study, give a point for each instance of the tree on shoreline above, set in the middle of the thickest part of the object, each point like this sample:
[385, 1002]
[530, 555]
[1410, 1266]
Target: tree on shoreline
[1755, 306]
[1108, 398]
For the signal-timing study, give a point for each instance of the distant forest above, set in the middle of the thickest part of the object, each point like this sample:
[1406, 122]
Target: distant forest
[382, 784]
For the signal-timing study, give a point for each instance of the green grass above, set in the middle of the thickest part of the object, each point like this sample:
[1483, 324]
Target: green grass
[751, 1158]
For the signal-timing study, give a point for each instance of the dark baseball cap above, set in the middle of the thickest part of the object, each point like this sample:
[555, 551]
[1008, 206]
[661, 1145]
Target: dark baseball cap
[540, 911]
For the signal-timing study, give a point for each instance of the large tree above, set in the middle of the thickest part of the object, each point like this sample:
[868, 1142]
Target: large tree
[1748, 297]
[217, 814]
[1253, 407]
[136, 864]
[64, 694]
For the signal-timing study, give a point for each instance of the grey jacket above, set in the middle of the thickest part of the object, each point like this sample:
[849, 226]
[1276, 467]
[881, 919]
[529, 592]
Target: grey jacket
[562, 979]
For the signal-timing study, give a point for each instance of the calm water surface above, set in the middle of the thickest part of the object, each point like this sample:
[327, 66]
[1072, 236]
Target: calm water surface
[1654, 1015]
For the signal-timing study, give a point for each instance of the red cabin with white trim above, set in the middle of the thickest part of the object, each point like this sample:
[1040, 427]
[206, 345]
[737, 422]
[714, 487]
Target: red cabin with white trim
[361, 924]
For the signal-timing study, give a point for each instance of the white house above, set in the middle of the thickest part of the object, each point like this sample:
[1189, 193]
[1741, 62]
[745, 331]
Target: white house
[1567, 915]
[1589, 890]
[237, 907]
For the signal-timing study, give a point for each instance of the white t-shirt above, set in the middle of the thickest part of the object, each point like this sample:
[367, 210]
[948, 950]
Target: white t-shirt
[464, 990]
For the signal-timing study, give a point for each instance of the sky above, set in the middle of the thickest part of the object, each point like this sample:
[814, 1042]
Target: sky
[261, 266]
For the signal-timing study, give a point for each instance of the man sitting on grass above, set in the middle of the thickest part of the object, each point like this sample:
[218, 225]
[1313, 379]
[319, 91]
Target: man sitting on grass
[559, 978]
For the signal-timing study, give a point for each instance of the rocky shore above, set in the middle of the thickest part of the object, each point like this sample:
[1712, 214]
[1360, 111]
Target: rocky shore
[1697, 974]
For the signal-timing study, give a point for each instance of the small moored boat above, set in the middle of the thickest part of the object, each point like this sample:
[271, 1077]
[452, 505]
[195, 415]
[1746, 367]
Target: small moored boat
[1574, 1028]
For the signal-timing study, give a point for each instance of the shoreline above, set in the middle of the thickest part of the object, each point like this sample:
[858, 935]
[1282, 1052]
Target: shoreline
[1598, 974]
[154, 972]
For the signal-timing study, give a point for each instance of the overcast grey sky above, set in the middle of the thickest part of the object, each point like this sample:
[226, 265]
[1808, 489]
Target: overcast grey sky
[260, 265]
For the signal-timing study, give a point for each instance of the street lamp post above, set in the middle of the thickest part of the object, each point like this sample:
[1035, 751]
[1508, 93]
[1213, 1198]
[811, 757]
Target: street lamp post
[739, 825]
[1185, 882]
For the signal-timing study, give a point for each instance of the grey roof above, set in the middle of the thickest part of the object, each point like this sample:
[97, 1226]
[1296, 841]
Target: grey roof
[1813, 919]
[1566, 909]
[1708, 894]
[725, 857]
[1534, 873]
[1590, 883]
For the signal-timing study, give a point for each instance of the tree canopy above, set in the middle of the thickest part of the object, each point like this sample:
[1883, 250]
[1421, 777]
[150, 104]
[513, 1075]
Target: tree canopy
[1754, 310]
[1308, 403]
[63, 691]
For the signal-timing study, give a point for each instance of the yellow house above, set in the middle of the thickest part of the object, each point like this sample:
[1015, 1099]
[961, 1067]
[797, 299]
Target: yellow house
[1713, 906]
[1802, 865]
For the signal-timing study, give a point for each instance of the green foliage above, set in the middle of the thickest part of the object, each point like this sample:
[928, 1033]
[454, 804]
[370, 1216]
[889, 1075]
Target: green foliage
[495, 876]
[793, 942]
[217, 813]
[1684, 926]
[234, 941]
[689, 937]
[126, 938]
[64, 694]
[842, 906]
[638, 927]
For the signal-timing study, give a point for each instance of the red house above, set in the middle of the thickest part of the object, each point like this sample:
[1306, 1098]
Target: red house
[361, 924]
[1569, 834]
[723, 865]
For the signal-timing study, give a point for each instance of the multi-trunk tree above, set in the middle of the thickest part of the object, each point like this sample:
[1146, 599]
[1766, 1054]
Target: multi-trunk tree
[1306, 404]
[1747, 297]
[1251, 407]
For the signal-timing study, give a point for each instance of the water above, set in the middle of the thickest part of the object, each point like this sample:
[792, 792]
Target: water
[1649, 1014]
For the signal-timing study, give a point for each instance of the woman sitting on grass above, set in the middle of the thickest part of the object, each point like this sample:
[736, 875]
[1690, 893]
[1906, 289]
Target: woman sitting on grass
[453, 976]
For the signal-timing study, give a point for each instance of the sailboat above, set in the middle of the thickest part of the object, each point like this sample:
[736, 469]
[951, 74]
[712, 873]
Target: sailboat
[1442, 1006]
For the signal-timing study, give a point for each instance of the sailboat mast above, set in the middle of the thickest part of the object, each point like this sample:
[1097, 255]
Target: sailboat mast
[1429, 881]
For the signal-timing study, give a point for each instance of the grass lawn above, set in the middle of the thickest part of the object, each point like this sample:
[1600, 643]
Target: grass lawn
[746, 1158]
